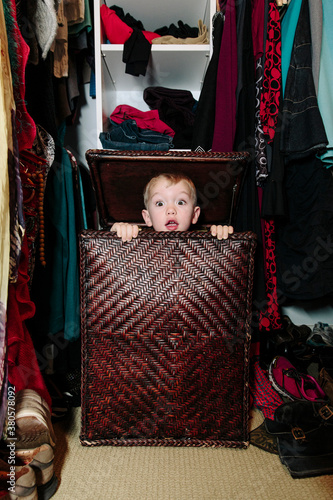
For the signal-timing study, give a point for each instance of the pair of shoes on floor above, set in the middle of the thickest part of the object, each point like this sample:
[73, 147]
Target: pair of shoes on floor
[292, 384]
[34, 440]
[17, 481]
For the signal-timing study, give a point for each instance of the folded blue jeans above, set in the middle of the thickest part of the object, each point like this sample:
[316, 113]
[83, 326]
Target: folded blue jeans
[128, 136]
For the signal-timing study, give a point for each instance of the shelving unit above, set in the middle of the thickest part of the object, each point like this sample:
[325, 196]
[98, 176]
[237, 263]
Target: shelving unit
[180, 66]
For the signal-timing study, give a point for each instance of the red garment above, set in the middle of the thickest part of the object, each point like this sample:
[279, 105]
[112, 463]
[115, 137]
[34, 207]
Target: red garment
[116, 30]
[226, 84]
[19, 50]
[23, 369]
[258, 18]
[144, 119]
[270, 316]
[271, 87]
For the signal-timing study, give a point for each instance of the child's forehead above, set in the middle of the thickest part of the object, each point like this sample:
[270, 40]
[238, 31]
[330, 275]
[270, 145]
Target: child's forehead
[162, 185]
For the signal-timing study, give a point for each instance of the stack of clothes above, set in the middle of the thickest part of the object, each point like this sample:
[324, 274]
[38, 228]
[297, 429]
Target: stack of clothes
[167, 124]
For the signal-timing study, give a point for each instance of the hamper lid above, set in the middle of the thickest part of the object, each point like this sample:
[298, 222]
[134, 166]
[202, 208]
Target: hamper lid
[119, 178]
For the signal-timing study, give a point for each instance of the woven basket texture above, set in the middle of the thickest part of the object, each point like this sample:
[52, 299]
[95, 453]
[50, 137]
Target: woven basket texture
[165, 338]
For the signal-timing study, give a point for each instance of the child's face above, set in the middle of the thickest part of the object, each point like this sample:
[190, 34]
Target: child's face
[170, 207]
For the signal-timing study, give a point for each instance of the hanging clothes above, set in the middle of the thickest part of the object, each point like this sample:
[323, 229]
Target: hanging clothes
[325, 98]
[6, 147]
[304, 250]
[271, 89]
[18, 53]
[302, 131]
[64, 306]
[23, 368]
[204, 121]
[303, 255]
[226, 84]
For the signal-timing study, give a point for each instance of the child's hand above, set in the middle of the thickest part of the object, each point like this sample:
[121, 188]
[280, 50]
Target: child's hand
[125, 231]
[221, 232]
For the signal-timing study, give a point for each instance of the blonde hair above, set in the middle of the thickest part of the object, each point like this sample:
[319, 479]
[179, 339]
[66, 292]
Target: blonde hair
[173, 178]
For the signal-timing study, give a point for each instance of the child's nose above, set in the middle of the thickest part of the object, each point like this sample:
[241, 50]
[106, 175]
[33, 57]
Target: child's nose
[171, 209]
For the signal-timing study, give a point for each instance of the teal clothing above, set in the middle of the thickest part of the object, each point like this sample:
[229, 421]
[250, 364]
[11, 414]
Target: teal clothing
[288, 28]
[75, 29]
[325, 95]
[64, 294]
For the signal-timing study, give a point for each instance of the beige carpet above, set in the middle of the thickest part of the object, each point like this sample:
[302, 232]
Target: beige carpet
[169, 473]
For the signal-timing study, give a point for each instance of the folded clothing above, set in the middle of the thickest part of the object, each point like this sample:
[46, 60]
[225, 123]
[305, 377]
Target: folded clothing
[128, 131]
[201, 38]
[107, 143]
[127, 136]
[144, 119]
[183, 30]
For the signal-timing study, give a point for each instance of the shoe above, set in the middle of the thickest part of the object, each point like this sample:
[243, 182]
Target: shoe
[262, 439]
[23, 484]
[326, 383]
[321, 336]
[41, 461]
[33, 421]
[297, 333]
[292, 384]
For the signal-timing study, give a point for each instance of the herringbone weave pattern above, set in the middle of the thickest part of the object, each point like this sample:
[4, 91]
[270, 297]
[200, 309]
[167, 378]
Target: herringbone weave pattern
[165, 339]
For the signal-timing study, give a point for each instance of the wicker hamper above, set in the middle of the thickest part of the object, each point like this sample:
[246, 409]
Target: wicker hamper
[165, 329]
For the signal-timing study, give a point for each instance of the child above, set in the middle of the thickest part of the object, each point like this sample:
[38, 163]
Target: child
[170, 205]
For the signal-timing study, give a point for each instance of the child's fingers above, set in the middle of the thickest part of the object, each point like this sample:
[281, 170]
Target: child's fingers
[221, 232]
[125, 231]
[213, 230]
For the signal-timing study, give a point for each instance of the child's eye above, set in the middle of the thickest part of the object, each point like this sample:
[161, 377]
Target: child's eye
[181, 202]
[159, 203]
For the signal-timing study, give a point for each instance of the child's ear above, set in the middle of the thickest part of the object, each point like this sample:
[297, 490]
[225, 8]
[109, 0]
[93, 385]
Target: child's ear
[146, 217]
[196, 213]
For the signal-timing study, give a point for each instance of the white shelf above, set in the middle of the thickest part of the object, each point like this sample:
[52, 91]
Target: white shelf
[174, 66]
[161, 70]
[200, 47]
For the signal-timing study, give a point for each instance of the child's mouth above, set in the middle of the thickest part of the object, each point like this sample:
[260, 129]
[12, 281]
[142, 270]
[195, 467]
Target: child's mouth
[171, 225]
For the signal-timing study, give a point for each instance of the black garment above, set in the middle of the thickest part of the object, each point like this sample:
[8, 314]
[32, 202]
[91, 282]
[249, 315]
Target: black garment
[136, 53]
[176, 109]
[203, 128]
[304, 242]
[274, 201]
[248, 213]
[245, 92]
[40, 94]
[303, 130]
[182, 31]
[127, 18]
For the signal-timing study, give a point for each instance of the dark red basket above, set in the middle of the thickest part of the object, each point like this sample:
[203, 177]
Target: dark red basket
[165, 338]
